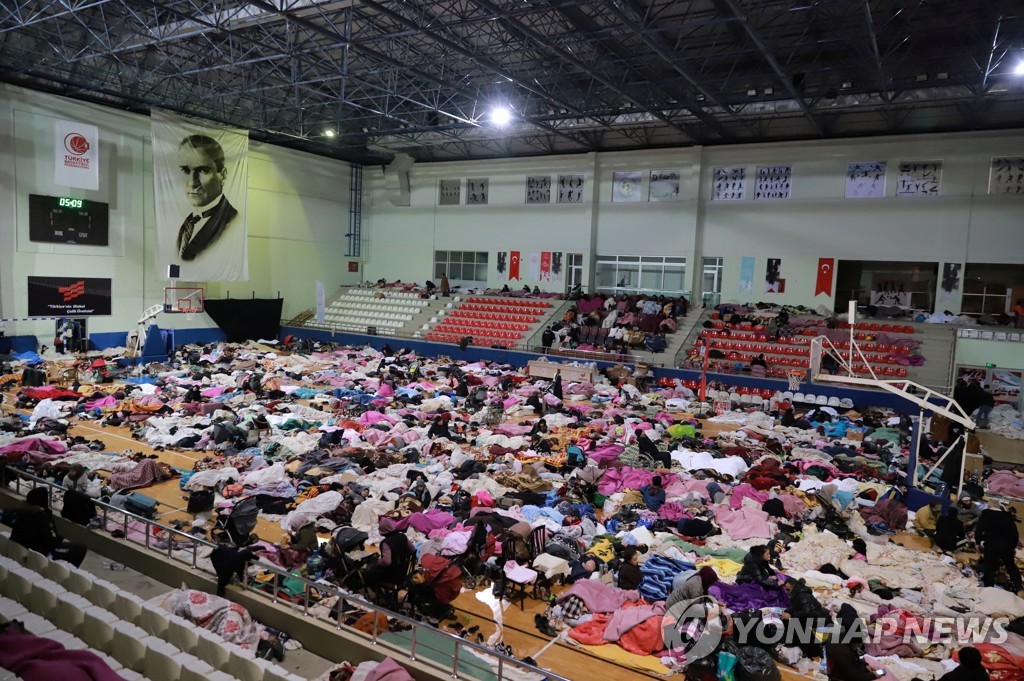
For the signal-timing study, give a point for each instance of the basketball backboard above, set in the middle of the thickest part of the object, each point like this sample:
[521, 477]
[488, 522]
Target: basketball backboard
[179, 300]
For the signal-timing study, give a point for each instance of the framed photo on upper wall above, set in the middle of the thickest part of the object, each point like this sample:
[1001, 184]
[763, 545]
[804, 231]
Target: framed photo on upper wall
[1006, 176]
[664, 185]
[570, 189]
[773, 182]
[919, 179]
[538, 189]
[865, 180]
[626, 187]
[450, 193]
[729, 184]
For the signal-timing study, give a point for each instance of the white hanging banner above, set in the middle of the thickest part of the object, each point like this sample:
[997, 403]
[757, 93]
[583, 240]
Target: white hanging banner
[321, 303]
[76, 155]
[200, 180]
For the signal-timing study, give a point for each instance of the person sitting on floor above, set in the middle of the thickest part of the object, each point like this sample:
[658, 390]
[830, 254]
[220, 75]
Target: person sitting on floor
[630, 575]
[970, 668]
[653, 494]
[926, 518]
[757, 569]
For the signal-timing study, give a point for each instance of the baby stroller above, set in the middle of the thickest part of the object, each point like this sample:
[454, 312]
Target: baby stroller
[434, 586]
[477, 398]
[831, 520]
[494, 416]
[348, 571]
[236, 522]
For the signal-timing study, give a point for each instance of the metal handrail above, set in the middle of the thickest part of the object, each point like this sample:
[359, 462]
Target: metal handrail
[990, 333]
[323, 588]
[589, 355]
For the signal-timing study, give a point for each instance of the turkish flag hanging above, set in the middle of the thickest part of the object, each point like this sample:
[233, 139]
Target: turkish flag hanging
[545, 266]
[513, 265]
[824, 285]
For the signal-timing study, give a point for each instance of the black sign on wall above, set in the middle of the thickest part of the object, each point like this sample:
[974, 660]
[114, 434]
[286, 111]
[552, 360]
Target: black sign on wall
[68, 297]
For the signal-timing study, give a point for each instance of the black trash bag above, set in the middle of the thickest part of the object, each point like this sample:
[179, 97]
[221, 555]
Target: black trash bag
[756, 664]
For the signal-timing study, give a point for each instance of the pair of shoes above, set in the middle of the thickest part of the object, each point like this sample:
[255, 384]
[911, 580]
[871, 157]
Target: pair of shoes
[543, 626]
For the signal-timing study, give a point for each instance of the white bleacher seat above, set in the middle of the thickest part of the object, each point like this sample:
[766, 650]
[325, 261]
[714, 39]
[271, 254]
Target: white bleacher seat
[213, 650]
[98, 627]
[127, 606]
[809, 398]
[846, 403]
[833, 401]
[36, 562]
[18, 584]
[798, 397]
[162, 663]
[245, 668]
[11, 610]
[57, 570]
[183, 634]
[787, 395]
[69, 640]
[8, 675]
[16, 552]
[43, 598]
[155, 620]
[821, 401]
[129, 646]
[114, 665]
[102, 593]
[34, 624]
[129, 675]
[70, 613]
[78, 581]
[192, 668]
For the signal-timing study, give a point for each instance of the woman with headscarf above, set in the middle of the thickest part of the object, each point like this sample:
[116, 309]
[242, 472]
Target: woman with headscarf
[35, 530]
[653, 494]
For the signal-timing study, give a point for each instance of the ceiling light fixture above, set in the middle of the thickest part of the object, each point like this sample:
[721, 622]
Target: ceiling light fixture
[328, 132]
[1019, 69]
[500, 115]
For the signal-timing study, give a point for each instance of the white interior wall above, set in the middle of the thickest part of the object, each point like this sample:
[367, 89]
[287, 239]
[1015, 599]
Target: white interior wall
[297, 217]
[964, 224]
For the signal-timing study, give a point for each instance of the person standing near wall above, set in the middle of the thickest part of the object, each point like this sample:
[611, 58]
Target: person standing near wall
[446, 288]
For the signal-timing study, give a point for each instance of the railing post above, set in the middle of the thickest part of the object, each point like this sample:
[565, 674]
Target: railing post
[305, 601]
[455, 660]
[412, 648]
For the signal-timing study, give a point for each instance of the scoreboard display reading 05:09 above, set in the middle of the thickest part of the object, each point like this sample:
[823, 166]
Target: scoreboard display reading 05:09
[62, 220]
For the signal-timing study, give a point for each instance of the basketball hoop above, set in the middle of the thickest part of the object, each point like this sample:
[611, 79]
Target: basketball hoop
[795, 378]
[190, 313]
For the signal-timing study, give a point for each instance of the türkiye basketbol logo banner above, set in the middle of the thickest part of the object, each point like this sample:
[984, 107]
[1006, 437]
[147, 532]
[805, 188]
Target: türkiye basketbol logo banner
[76, 155]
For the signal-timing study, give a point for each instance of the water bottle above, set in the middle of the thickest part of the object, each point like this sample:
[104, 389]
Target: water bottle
[823, 667]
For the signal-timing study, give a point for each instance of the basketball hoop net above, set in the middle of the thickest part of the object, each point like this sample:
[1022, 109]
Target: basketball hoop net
[795, 378]
[190, 313]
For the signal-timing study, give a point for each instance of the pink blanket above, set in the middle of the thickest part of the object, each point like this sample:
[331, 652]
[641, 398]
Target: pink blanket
[624, 619]
[618, 479]
[1004, 484]
[432, 519]
[600, 597]
[35, 450]
[746, 523]
[745, 491]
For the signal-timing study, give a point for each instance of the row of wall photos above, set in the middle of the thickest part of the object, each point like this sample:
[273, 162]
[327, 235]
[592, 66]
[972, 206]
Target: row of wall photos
[864, 180]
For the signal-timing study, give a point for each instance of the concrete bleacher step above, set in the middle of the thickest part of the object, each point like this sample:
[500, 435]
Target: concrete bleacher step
[138, 640]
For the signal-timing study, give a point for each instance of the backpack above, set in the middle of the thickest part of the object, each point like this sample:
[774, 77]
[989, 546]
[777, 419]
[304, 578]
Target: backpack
[575, 456]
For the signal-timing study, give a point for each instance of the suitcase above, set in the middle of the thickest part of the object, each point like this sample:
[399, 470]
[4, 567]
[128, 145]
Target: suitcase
[140, 504]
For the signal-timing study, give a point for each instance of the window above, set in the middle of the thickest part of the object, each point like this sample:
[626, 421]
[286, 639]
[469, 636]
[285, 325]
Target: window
[641, 274]
[988, 289]
[574, 270]
[711, 279]
[469, 267]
